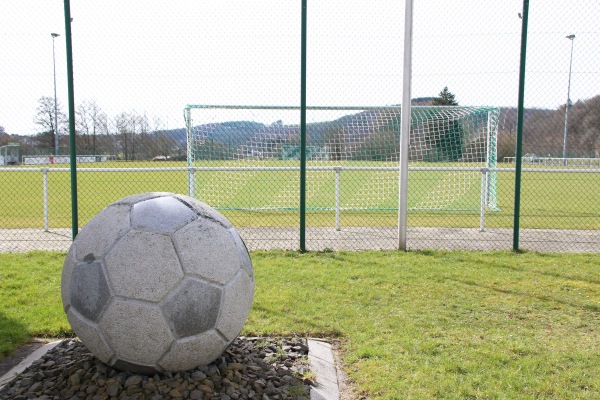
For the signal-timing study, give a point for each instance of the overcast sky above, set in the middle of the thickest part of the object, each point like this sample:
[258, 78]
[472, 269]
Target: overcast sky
[158, 56]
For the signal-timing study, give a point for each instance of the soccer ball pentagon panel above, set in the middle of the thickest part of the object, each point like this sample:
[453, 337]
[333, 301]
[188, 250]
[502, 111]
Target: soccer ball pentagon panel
[157, 281]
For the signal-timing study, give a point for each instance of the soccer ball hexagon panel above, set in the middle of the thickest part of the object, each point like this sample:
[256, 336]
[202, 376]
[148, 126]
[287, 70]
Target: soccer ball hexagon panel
[157, 281]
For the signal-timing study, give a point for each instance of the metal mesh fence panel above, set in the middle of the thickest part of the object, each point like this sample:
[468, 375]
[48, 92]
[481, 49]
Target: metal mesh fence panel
[248, 167]
[135, 70]
[561, 179]
[471, 61]
[246, 164]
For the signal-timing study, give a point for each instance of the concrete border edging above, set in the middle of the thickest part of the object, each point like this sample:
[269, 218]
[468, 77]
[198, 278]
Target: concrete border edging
[320, 357]
[23, 365]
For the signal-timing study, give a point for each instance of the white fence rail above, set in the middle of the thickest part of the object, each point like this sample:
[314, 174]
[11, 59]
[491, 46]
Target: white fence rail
[557, 162]
[336, 169]
[193, 170]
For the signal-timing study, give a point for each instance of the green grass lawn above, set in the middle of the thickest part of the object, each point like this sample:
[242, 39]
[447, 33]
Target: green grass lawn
[418, 325]
[548, 200]
[30, 303]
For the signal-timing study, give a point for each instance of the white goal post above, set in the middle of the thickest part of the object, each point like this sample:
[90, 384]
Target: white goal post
[250, 155]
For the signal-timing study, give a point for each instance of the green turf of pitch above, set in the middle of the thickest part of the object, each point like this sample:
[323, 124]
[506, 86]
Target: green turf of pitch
[549, 200]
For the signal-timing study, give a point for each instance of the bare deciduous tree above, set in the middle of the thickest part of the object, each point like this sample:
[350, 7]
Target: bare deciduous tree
[90, 122]
[45, 118]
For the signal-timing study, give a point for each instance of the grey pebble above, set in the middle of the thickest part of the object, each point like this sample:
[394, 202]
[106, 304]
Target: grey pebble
[250, 368]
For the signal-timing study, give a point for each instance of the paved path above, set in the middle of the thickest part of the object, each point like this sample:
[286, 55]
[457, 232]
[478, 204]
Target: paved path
[353, 238]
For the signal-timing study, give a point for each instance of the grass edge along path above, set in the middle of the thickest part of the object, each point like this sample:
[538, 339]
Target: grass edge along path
[416, 325]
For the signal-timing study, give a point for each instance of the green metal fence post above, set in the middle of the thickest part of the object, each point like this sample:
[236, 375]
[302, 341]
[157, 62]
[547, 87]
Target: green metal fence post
[520, 108]
[73, 150]
[303, 132]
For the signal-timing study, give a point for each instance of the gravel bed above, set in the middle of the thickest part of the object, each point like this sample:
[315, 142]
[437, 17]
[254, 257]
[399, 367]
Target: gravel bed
[250, 368]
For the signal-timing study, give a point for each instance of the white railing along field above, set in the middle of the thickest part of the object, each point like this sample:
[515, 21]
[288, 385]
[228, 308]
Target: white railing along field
[338, 170]
[193, 170]
[557, 161]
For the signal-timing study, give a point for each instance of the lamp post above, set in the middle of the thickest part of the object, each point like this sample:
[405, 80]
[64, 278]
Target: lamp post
[54, 36]
[570, 37]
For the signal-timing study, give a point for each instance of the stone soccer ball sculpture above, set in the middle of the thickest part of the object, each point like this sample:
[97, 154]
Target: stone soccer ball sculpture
[157, 281]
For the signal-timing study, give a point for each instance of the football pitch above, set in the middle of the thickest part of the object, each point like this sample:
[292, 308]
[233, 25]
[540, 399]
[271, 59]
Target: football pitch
[257, 197]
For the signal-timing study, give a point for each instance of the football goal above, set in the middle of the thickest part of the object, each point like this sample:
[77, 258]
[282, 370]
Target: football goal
[247, 157]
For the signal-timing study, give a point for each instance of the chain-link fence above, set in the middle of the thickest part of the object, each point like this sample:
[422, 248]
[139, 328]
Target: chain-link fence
[147, 79]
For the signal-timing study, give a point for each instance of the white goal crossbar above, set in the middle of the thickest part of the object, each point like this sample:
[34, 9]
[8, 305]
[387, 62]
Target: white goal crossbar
[453, 143]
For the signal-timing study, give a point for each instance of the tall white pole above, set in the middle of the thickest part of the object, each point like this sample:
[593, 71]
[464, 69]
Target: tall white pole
[338, 170]
[54, 36]
[570, 37]
[45, 195]
[405, 127]
[187, 114]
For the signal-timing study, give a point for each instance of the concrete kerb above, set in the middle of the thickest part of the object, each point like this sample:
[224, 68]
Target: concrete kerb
[23, 365]
[322, 363]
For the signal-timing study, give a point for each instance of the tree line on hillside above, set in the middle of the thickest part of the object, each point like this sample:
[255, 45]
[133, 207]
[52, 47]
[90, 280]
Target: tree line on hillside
[544, 131]
[128, 135]
[138, 136]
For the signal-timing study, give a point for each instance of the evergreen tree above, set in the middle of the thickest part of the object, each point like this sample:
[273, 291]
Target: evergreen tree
[448, 139]
[445, 98]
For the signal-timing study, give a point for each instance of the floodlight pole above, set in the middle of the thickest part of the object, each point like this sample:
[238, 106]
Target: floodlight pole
[570, 37]
[54, 36]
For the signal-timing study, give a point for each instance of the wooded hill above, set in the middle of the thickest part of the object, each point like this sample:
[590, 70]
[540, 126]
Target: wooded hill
[370, 137]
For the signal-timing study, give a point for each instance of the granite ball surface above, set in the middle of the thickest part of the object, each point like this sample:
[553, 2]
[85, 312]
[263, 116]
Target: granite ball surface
[157, 282]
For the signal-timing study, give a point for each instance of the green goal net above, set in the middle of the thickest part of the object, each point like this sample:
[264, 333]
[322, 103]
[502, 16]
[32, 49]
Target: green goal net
[247, 157]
